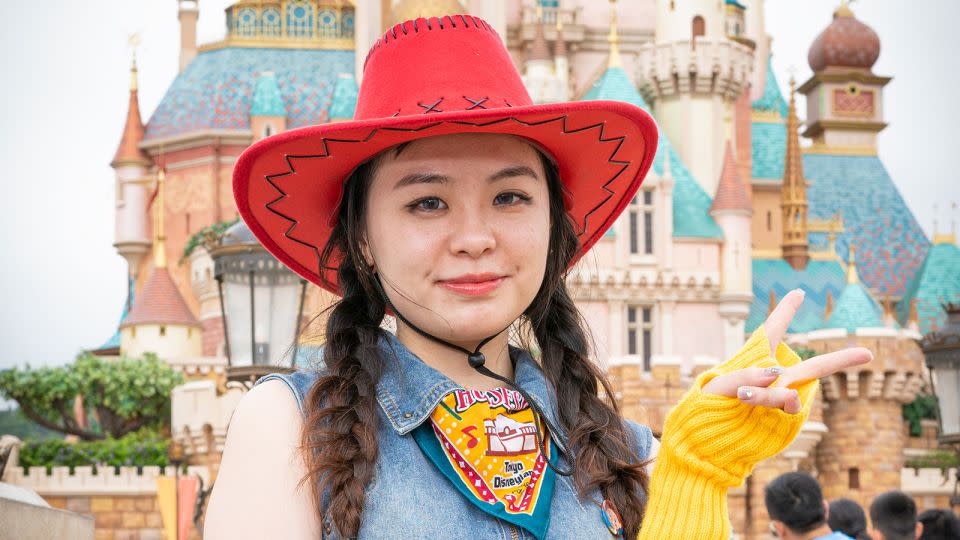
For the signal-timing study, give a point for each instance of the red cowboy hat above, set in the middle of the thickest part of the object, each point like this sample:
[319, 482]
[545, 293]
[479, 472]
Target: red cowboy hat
[430, 77]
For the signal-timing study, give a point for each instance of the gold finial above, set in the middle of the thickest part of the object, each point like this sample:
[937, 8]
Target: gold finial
[133, 41]
[159, 244]
[614, 38]
[852, 266]
[539, 12]
[946, 238]
[844, 9]
[559, 22]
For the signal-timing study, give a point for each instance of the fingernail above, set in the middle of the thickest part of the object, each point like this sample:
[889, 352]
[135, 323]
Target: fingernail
[744, 393]
[773, 371]
[801, 291]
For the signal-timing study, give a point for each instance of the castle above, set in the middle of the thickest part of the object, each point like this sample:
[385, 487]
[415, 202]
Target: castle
[734, 213]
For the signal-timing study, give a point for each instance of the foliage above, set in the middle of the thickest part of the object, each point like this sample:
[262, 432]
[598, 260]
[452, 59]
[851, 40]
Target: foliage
[940, 459]
[805, 354]
[216, 229]
[14, 422]
[923, 407]
[141, 448]
[121, 395]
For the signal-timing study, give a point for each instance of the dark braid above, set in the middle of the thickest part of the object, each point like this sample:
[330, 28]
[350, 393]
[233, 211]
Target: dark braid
[596, 433]
[339, 438]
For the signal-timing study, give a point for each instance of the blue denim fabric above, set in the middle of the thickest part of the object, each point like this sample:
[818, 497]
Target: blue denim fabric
[409, 498]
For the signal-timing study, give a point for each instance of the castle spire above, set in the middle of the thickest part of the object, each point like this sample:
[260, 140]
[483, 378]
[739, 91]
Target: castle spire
[614, 38]
[852, 275]
[793, 193]
[160, 237]
[539, 51]
[560, 45]
[731, 193]
[129, 152]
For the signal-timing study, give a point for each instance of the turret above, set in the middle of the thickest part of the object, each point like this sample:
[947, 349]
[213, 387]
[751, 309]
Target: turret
[793, 195]
[130, 164]
[188, 12]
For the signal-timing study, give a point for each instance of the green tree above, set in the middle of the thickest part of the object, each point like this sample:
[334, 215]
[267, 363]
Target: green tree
[121, 396]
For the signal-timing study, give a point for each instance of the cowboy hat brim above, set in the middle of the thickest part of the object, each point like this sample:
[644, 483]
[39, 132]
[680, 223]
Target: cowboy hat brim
[288, 187]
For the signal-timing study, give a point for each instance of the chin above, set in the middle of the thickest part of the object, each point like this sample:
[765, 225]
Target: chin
[473, 323]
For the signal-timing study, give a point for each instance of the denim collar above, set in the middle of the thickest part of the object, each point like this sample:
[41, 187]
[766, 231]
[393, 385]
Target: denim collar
[409, 390]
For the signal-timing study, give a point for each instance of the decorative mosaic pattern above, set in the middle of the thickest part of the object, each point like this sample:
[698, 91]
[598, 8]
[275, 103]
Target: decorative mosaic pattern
[937, 282]
[691, 204]
[216, 90]
[890, 243]
[855, 309]
[817, 279]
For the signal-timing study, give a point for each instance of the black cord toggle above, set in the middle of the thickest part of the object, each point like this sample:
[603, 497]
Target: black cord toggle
[476, 360]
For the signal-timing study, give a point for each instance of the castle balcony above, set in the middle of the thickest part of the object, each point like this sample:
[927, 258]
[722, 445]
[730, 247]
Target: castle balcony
[573, 29]
[694, 67]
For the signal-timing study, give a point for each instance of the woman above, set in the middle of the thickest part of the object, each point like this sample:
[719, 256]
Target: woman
[455, 204]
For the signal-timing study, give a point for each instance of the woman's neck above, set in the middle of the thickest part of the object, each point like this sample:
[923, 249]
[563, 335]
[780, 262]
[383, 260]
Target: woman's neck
[453, 363]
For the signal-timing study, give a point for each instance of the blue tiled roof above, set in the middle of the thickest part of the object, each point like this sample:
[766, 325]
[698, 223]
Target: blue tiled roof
[216, 90]
[817, 279]
[772, 99]
[344, 100]
[267, 100]
[691, 204]
[769, 146]
[937, 282]
[890, 243]
[855, 308]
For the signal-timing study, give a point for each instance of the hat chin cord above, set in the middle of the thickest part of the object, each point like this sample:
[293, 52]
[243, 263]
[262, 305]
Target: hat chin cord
[477, 361]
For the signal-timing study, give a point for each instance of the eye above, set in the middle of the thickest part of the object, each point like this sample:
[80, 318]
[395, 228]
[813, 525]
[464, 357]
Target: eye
[427, 204]
[511, 198]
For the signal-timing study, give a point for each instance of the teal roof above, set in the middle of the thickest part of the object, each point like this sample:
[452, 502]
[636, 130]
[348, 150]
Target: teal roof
[267, 100]
[937, 282]
[855, 308]
[890, 243]
[772, 99]
[344, 100]
[817, 279]
[735, 3]
[769, 148]
[691, 204]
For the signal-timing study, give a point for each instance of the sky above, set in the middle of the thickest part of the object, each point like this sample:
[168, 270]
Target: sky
[63, 105]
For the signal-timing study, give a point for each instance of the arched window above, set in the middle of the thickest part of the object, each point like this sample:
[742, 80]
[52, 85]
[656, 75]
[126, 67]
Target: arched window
[698, 30]
[769, 221]
[267, 130]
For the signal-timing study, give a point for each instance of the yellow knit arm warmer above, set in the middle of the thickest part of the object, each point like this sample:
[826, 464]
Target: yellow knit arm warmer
[711, 443]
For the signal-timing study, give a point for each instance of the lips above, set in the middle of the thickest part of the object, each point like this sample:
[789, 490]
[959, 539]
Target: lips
[473, 284]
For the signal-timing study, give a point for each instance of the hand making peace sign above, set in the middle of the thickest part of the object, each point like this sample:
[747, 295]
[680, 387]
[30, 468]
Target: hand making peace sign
[755, 385]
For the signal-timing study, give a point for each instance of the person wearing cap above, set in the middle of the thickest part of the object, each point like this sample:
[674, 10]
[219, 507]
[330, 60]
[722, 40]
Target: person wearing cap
[456, 205]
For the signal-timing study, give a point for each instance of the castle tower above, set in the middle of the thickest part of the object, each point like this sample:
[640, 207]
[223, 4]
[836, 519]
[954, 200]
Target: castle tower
[793, 195]
[539, 76]
[268, 114]
[188, 12]
[160, 321]
[864, 454]
[691, 74]
[844, 97]
[130, 163]
[732, 211]
[561, 64]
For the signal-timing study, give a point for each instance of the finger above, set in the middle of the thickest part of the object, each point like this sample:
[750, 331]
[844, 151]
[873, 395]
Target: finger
[786, 399]
[777, 323]
[727, 385]
[823, 365]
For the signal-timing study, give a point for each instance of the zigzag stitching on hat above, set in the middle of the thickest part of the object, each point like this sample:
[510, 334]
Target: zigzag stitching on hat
[326, 153]
[381, 41]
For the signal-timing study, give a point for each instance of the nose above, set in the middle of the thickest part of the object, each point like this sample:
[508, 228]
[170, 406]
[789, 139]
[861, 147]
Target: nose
[472, 234]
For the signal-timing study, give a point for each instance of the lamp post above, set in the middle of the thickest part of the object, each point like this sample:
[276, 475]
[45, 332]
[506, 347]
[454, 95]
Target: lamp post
[942, 351]
[261, 302]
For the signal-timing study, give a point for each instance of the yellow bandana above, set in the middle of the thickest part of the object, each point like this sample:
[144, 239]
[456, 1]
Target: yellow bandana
[488, 448]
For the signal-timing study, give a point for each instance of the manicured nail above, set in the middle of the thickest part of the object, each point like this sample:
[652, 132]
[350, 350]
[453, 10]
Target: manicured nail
[744, 393]
[773, 371]
[801, 292]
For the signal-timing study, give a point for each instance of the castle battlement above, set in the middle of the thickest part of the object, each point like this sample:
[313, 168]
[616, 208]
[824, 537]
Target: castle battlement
[106, 481]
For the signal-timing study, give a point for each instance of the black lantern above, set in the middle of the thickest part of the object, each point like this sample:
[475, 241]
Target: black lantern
[942, 351]
[261, 301]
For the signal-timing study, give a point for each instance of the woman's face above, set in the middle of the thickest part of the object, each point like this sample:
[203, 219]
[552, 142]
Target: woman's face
[458, 228]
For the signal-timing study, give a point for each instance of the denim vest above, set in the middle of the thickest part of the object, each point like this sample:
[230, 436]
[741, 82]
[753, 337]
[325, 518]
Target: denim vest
[409, 498]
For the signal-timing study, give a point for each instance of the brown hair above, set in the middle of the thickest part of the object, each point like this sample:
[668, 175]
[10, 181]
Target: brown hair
[339, 438]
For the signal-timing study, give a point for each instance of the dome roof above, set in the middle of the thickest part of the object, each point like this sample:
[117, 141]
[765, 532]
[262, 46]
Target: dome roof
[406, 10]
[847, 42]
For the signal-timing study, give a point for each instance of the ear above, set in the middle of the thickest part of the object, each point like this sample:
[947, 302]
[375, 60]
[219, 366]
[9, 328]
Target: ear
[826, 510]
[367, 254]
[919, 530]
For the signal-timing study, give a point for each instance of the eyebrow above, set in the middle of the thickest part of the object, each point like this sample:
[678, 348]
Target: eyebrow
[435, 178]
